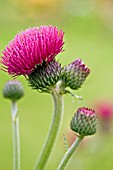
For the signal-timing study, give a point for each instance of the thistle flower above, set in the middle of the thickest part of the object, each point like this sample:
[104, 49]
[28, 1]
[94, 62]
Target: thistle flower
[84, 122]
[44, 77]
[31, 48]
[13, 90]
[74, 74]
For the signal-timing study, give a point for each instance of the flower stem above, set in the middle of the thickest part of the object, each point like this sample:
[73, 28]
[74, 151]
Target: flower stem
[16, 137]
[53, 131]
[69, 153]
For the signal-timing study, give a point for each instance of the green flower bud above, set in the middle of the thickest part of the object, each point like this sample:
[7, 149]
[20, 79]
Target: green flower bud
[84, 122]
[45, 76]
[13, 90]
[74, 74]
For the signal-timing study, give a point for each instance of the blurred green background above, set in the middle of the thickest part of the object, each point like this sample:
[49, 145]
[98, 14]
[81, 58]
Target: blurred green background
[88, 27]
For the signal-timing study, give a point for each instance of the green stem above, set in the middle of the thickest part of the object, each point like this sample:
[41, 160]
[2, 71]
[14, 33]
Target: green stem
[53, 131]
[69, 153]
[16, 137]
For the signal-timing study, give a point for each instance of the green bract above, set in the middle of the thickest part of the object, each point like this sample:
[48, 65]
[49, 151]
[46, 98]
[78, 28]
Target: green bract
[45, 76]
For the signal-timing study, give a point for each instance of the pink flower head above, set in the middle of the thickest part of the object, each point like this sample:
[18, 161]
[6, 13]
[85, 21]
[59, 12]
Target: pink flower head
[86, 111]
[30, 48]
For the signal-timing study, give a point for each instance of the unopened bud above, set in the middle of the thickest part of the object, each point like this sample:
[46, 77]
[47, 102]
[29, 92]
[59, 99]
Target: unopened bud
[13, 90]
[74, 74]
[84, 122]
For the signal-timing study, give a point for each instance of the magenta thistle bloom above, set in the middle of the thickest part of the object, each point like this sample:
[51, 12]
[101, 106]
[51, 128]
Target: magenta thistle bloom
[84, 122]
[30, 48]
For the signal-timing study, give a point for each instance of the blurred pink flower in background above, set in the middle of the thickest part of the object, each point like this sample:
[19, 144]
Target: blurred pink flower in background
[104, 110]
[70, 137]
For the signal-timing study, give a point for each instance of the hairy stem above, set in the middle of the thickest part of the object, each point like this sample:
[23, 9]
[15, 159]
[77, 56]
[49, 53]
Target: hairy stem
[69, 153]
[53, 131]
[16, 137]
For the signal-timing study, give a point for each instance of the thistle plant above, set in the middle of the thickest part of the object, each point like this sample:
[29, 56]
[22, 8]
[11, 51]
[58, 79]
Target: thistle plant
[13, 90]
[32, 54]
